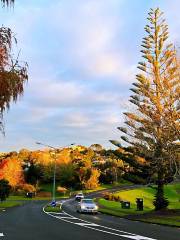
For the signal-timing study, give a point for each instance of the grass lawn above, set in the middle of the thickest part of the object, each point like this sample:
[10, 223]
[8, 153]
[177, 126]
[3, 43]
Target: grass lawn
[49, 208]
[147, 193]
[23, 198]
[160, 219]
[7, 204]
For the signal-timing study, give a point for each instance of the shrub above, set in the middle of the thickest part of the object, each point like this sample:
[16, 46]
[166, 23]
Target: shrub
[106, 195]
[111, 197]
[61, 189]
[28, 188]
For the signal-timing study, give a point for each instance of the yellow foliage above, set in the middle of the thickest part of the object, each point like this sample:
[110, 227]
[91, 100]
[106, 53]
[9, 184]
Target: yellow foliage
[28, 188]
[11, 170]
[93, 181]
[61, 189]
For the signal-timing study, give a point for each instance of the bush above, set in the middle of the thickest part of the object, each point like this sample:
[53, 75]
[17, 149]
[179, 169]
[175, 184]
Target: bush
[61, 189]
[28, 188]
[111, 197]
[106, 195]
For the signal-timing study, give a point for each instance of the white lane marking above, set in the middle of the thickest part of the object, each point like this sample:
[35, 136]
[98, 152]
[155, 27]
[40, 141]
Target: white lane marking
[56, 213]
[68, 217]
[99, 228]
[137, 237]
[88, 224]
[1, 235]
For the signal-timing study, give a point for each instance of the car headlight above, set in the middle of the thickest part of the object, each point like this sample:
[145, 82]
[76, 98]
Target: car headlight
[83, 206]
[96, 207]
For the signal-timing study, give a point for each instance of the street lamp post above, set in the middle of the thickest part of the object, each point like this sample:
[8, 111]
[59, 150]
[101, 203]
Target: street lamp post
[54, 172]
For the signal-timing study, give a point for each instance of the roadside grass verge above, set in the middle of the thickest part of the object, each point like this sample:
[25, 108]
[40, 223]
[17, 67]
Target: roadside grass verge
[169, 217]
[159, 219]
[7, 204]
[56, 209]
[23, 198]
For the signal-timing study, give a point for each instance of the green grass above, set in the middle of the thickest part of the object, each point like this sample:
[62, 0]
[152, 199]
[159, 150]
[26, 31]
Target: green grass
[114, 208]
[170, 220]
[171, 192]
[7, 204]
[52, 209]
[18, 198]
[116, 184]
[22, 198]
[147, 193]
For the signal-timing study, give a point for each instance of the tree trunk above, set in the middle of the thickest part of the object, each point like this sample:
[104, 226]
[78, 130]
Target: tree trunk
[160, 201]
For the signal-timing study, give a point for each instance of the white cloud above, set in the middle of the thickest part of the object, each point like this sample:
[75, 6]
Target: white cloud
[80, 68]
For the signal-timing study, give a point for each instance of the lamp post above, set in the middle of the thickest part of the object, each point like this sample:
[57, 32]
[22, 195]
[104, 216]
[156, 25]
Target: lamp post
[54, 172]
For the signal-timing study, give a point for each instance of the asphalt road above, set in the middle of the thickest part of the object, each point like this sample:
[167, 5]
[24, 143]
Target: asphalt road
[29, 222]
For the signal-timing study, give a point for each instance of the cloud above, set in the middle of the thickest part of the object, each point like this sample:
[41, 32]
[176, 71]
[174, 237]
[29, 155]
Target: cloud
[82, 59]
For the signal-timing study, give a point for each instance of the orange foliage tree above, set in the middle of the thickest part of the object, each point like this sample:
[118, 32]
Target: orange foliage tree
[11, 170]
[93, 181]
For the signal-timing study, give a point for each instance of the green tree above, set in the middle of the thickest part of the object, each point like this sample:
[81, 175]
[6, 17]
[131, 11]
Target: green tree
[4, 189]
[154, 127]
[68, 175]
[33, 173]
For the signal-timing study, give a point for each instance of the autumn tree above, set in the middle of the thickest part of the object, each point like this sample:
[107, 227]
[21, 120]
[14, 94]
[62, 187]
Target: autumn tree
[96, 147]
[93, 181]
[83, 164]
[154, 127]
[11, 170]
[13, 74]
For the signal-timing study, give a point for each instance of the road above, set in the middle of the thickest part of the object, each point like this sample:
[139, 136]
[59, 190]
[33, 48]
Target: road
[29, 222]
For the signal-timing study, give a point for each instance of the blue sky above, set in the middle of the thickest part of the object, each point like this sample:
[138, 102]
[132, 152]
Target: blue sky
[82, 57]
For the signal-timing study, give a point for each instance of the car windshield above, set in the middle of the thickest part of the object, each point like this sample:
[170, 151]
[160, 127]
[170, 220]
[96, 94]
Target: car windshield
[87, 201]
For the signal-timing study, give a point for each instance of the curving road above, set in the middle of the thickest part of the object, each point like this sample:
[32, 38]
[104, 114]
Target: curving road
[29, 222]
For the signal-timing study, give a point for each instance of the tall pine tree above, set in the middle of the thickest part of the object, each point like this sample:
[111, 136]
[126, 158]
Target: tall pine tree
[154, 127]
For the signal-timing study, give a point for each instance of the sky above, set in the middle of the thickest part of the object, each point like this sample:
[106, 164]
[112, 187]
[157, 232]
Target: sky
[82, 57]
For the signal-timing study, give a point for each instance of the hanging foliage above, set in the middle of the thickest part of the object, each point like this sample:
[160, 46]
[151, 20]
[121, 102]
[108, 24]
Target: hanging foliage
[7, 3]
[13, 73]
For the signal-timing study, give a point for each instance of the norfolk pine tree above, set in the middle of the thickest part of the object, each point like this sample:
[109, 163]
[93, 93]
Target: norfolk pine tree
[154, 127]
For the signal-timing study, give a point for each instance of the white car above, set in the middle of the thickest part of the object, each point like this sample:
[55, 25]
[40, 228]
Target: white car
[87, 206]
[79, 196]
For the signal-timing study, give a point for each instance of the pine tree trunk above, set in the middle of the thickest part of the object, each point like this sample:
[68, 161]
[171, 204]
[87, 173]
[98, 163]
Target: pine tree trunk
[160, 201]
